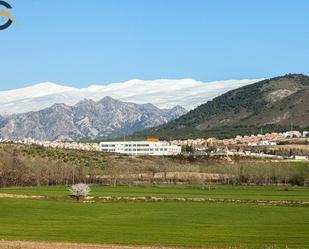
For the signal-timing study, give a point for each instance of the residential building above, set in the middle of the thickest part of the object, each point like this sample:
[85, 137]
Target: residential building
[292, 134]
[149, 147]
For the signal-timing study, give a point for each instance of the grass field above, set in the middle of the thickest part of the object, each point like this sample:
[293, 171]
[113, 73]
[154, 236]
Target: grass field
[170, 223]
[212, 191]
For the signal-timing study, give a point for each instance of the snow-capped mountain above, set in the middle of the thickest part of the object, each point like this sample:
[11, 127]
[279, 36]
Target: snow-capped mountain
[87, 119]
[162, 93]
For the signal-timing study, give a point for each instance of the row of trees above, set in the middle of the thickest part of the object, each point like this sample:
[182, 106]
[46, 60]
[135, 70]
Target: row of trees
[17, 169]
[16, 172]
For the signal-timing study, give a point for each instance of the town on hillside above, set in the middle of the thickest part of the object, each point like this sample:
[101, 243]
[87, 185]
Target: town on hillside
[285, 145]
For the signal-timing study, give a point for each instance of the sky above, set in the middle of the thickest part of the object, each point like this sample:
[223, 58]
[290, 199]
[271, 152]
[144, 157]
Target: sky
[80, 43]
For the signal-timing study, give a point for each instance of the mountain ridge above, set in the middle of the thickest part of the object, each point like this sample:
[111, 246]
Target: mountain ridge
[273, 104]
[87, 119]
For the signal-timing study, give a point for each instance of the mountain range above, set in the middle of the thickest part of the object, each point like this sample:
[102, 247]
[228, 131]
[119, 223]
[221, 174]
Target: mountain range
[276, 104]
[162, 93]
[87, 119]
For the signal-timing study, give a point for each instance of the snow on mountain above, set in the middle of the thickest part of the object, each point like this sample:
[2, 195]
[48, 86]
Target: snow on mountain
[34, 91]
[163, 93]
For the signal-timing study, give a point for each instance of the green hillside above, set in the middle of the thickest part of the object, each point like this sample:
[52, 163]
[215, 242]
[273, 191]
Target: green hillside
[273, 104]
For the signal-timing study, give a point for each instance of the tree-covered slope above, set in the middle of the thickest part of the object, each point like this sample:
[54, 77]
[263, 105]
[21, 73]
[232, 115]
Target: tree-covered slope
[273, 104]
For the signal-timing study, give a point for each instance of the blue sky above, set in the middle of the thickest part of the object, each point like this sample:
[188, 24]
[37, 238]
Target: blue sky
[79, 43]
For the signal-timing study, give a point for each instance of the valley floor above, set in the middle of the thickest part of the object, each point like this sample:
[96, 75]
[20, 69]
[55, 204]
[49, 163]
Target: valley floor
[216, 216]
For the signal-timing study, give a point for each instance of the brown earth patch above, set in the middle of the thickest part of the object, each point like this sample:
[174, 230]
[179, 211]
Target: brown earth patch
[3, 195]
[57, 245]
[171, 176]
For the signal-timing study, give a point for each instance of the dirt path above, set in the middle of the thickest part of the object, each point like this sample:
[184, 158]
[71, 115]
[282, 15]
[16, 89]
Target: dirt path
[3, 195]
[49, 245]
[98, 199]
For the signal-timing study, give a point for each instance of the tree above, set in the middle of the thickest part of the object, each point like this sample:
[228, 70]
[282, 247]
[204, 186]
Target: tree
[187, 148]
[79, 190]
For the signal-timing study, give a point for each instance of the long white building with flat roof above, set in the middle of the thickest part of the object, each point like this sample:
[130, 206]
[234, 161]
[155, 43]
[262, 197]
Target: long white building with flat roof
[149, 147]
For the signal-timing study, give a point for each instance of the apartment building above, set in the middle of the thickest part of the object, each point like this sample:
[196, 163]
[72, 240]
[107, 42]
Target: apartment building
[149, 147]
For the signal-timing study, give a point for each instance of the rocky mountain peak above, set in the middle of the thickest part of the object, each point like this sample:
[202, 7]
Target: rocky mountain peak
[105, 118]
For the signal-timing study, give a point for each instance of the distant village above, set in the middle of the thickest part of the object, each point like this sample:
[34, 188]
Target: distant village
[56, 144]
[269, 139]
[248, 146]
[198, 146]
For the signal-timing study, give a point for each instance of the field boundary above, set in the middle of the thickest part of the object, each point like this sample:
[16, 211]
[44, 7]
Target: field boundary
[106, 199]
[195, 199]
[4, 244]
[67, 245]
[4, 195]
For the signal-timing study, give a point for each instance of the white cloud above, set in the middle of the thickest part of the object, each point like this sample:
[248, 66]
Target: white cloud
[163, 93]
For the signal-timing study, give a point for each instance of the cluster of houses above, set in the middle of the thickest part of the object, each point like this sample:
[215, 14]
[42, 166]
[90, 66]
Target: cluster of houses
[254, 140]
[262, 155]
[56, 144]
[155, 147]
[225, 146]
[269, 139]
[227, 152]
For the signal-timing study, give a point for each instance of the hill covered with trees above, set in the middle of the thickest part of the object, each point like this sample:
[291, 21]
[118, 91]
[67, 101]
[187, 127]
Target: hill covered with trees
[275, 104]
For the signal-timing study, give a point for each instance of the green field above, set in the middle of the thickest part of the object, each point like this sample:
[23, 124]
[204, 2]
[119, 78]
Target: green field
[59, 218]
[211, 191]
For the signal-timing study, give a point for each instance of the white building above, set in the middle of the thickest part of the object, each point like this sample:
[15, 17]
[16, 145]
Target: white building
[301, 158]
[149, 147]
[292, 134]
[263, 143]
[306, 134]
